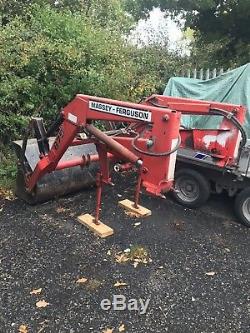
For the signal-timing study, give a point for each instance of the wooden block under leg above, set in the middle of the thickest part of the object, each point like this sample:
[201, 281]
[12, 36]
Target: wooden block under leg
[100, 229]
[129, 205]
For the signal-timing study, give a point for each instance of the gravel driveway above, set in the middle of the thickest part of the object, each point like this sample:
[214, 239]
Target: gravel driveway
[196, 272]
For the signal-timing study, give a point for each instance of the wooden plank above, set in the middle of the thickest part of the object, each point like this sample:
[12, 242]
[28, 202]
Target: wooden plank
[102, 230]
[129, 205]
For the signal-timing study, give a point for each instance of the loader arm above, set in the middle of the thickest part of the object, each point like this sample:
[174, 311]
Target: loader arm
[150, 141]
[225, 143]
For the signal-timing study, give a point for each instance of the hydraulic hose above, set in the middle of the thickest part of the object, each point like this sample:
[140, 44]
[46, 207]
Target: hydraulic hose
[218, 112]
[237, 124]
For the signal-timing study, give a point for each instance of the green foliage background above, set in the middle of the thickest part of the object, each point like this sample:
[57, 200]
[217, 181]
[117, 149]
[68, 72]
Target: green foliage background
[221, 27]
[49, 55]
[51, 50]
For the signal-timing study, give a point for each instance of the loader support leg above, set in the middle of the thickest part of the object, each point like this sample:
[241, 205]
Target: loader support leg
[137, 189]
[99, 185]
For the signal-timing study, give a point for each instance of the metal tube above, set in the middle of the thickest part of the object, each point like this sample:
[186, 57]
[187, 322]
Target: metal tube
[81, 161]
[99, 185]
[137, 189]
[114, 145]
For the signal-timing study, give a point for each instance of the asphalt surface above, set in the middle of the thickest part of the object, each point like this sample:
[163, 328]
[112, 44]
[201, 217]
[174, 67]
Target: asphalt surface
[45, 247]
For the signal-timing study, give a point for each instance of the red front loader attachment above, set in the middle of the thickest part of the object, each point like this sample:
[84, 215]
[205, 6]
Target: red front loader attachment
[80, 155]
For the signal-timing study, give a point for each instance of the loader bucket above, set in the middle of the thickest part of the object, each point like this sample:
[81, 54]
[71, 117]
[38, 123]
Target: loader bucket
[59, 182]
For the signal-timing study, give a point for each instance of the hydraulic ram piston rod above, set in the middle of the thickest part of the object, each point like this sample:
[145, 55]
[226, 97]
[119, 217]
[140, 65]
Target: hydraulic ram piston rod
[114, 145]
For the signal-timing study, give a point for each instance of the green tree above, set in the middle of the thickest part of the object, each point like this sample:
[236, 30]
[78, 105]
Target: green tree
[212, 21]
[110, 12]
[48, 56]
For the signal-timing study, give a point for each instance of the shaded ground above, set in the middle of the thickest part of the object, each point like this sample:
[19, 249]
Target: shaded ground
[44, 247]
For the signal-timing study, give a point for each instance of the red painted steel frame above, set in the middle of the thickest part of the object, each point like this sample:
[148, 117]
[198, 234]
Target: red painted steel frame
[146, 142]
[80, 161]
[222, 143]
[163, 130]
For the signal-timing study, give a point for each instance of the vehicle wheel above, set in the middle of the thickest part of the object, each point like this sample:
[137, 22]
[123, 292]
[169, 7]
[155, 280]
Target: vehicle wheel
[192, 188]
[242, 206]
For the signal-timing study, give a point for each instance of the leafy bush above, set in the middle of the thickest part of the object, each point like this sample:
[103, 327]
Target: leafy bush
[7, 168]
[49, 57]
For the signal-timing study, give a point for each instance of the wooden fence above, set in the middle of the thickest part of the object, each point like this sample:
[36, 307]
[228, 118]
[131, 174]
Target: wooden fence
[202, 74]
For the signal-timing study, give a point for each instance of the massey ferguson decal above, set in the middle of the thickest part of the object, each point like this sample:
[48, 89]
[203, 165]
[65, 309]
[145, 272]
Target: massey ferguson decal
[121, 111]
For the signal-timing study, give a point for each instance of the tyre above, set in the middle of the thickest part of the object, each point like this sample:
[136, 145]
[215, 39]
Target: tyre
[191, 188]
[242, 206]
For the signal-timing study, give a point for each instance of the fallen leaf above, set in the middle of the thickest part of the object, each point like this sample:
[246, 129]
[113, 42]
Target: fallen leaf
[139, 253]
[36, 291]
[135, 254]
[121, 258]
[23, 329]
[120, 284]
[42, 304]
[121, 328]
[108, 330]
[82, 280]
[7, 194]
[210, 273]
[137, 260]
